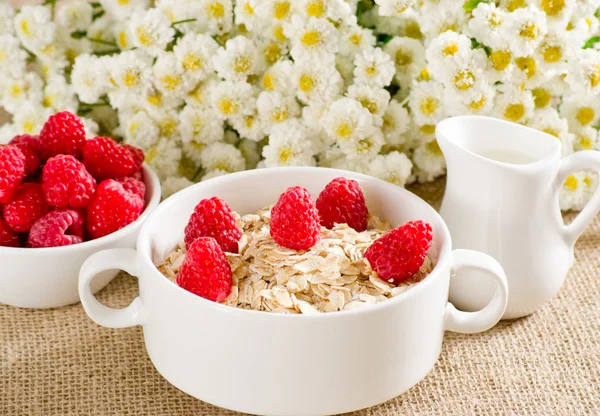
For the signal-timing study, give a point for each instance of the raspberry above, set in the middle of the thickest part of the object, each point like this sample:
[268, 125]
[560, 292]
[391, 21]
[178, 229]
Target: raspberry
[205, 270]
[342, 202]
[106, 159]
[66, 182]
[8, 238]
[399, 253]
[133, 185]
[62, 227]
[112, 208]
[137, 154]
[28, 146]
[26, 208]
[12, 171]
[213, 218]
[295, 220]
[63, 134]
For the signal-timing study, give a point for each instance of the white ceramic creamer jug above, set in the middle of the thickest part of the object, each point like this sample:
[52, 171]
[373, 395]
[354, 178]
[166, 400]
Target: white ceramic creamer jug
[502, 199]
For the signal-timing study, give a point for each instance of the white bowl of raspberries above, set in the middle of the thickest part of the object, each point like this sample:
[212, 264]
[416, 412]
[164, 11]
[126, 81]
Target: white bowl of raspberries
[62, 198]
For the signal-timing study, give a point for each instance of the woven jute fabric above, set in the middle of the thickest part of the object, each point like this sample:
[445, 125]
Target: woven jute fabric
[58, 362]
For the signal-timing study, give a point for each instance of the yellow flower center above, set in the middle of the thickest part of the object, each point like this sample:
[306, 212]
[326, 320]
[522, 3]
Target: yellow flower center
[571, 183]
[478, 105]
[155, 100]
[428, 128]
[413, 30]
[403, 58]
[170, 82]
[25, 27]
[280, 115]
[192, 62]
[424, 75]
[311, 38]
[448, 26]
[130, 78]
[48, 100]
[552, 7]
[429, 105]
[552, 54]
[133, 127]
[168, 127]
[588, 21]
[516, 4]
[248, 8]
[123, 40]
[316, 8]
[364, 145]
[541, 97]
[585, 142]
[388, 122]
[227, 106]
[249, 121]
[307, 83]
[494, 20]
[284, 154]
[529, 31]
[278, 33]
[355, 38]
[15, 91]
[281, 10]
[344, 130]
[450, 50]
[500, 60]
[369, 104]
[594, 76]
[197, 125]
[272, 53]
[551, 132]
[143, 36]
[585, 115]
[371, 70]
[434, 147]
[269, 82]
[464, 79]
[215, 10]
[123, 2]
[242, 64]
[526, 64]
[28, 127]
[514, 112]
[587, 180]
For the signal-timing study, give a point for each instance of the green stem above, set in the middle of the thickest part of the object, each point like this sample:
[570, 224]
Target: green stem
[102, 53]
[102, 42]
[403, 103]
[196, 174]
[182, 21]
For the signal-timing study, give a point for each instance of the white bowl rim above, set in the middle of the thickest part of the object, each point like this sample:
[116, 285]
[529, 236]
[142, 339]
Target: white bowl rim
[153, 201]
[144, 245]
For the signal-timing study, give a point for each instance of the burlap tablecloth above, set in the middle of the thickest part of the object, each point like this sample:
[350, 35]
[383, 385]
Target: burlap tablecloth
[58, 362]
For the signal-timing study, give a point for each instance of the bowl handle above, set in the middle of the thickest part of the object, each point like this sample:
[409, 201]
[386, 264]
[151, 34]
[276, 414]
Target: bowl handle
[117, 258]
[479, 321]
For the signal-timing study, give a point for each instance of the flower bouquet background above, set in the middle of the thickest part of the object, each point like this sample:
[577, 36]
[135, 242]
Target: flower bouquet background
[209, 87]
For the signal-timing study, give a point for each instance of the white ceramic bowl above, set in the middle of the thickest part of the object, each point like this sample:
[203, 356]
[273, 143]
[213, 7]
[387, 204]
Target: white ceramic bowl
[47, 277]
[272, 364]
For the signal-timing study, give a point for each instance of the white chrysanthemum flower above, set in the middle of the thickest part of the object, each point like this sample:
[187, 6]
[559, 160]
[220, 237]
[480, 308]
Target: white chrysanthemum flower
[525, 28]
[549, 121]
[7, 132]
[288, 146]
[395, 123]
[250, 152]
[122, 35]
[439, 16]
[139, 130]
[585, 138]
[275, 108]
[164, 158]
[583, 75]
[168, 123]
[572, 193]
[558, 12]
[151, 30]
[170, 77]
[279, 77]
[222, 156]
[514, 104]
[59, 95]
[429, 161]
[446, 52]
[353, 38]
[34, 27]
[195, 52]
[394, 7]
[553, 53]
[487, 25]
[276, 11]
[249, 126]
[345, 67]
[13, 59]
[16, 92]
[426, 102]
[408, 56]
[528, 72]
[580, 110]
[373, 99]
[237, 60]
[216, 16]
[366, 148]
[200, 96]
[394, 167]
[317, 82]
[174, 9]
[232, 99]
[154, 102]
[467, 76]
[74, 14]
[30, 118]
[334, 10]
[500, 65]
[347, 122]
[200, 125]
[312, 40]
[130, 72]
[373, 67]
[123, 9]
[270, 51]
[174, 184]
[214, 174]
[245, 12]
[7, 14]
[479, 102]
[342, 162]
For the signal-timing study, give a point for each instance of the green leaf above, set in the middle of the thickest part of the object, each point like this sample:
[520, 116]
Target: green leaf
[95, 5]
[591, 42]
[78, 35]
[597, 14]
[383, 38]
[471, 5]
[98, 15]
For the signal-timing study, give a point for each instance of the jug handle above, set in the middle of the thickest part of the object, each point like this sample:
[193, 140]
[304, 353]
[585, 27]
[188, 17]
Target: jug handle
[586, 159]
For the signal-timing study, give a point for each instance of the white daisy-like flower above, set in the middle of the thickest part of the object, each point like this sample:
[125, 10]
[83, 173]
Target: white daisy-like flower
[153, 102]
[394, 167]
[222, 156]
[429, 161]
[237, 60]
[34, 27]
[249, 149]
[164, 158]
[585, 138]
[275, 108]
[74, 14]
[245, 12]
[195, 52]
[123, 9]
[394, 7]
[174, 184]
[192, 151]
[168, 123]
[373, 67]
[214, 174]
[529, 73]
[438, 17]
[7, 14]
[487, 25]
[572, 193]
[395, 123]
[170, 77]
[514, 104]
[345, 67]
[279, 77]
[174, 9]
[151, 30]
[317, 82]
[288, 146]
[500, 65]
[408, 56]
[30, 118]
[373, 99]
[101, 30]
[553, 53]
[342, 162]
[558, 12]
[216, 16]
[130, 72]
[525, 28]
[276, 11]
[13, 59]
[7, 132]
[312, 39]
[583, 75]
[270, 51]
[549, 121]
[467, 76]
[479, 102]
[122, 35]
[347, 122]
[200, 125]
[580, 110]
[232, 99]
[426, 102]
[139, 130]
[59, 95]
[353, 38]
[366, 148]
[200, 95]
[249, 126]
[448, 51]
[334, 10]
[17, 92]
